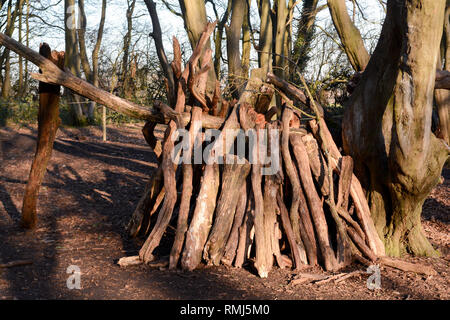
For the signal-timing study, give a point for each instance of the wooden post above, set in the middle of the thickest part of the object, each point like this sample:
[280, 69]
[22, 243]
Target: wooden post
[48, 122]
[104, 122]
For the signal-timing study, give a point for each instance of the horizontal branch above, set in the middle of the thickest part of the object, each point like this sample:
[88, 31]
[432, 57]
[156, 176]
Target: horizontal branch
[54, 75]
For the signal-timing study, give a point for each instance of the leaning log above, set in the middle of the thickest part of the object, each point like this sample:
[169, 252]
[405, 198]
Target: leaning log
[188, 172]
[202, 219]
[234, 176]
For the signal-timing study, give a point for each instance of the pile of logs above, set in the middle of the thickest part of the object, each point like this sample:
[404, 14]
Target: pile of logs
[311, 211]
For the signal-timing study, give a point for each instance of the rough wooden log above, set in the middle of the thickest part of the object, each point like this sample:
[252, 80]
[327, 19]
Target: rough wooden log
[296, 256]
[407, 266]
[338, 277]
[294, 92]
[344, 250]
[272, 184]
[315, 204]
[129, 261]
[170, 198]
[245, 233]
[348, 275]
[48, 123]
[345, 180]
[149, 135]
[146, 203]
[197, 80]
[305, 278]
[361, 245]
[317, 163]
[264, 254]
[292, 175]
[183, 214]
[233, 239]
[169, 113]
[156, 206]
[346, 216]
[200, 225]
[233, 178]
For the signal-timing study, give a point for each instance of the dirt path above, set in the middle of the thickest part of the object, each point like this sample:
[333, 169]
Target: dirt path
[88, 195]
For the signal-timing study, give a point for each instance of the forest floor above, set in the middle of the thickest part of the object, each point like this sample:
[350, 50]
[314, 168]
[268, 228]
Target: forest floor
[88, 195]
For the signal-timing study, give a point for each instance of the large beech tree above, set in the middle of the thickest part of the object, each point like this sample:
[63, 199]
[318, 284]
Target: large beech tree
[387, 124]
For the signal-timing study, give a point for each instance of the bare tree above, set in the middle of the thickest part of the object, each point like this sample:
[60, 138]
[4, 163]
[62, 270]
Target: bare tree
[72, 59]
[90, 73]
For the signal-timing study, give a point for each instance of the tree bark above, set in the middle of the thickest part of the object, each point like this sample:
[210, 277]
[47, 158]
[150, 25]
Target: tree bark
[387, 124]
[188, 172]
[235, 74]
[72, 60]
[6, 85]
[198, 231]
[126, 74]
[91, 74]
[443, 96]
[233, 178]
[305, 32]
[233, 239]
[350, 36]
[265, 35]
[157, 37]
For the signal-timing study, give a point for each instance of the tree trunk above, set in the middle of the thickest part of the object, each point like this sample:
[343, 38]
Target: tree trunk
[305, 33]
[387, 124]
[349, 35]
[27, 26]
[265, 35]
[218, 39]
[48, 123]
[6, 85]
[157, 36]
[91, 74]
[20, 88]
[280, 63]
[443, 96]
[72, 60]
[126, 77]
[235, 74]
